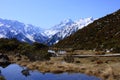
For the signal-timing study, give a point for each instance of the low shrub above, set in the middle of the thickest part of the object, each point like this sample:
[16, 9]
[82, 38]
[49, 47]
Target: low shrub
[69, 58]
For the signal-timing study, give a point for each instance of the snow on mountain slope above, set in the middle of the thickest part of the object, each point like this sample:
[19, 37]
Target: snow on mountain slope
[57, 28]
[15, 29]
[29, 33]
[66, 28]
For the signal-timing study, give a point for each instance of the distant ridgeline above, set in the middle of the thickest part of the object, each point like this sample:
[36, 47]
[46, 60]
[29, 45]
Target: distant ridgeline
[102, 34]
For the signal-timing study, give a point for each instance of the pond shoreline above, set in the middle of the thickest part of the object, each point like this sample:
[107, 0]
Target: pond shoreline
[102, 70]
[23, 73]
[101, 67]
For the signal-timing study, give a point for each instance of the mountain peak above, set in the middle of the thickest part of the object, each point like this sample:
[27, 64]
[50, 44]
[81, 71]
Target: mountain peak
[66, 28]
[65, 21]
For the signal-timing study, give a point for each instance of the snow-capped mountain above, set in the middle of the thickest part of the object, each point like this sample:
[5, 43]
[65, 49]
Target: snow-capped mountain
[29, 33]
[65, 29]
[57, 28]
[26, 33]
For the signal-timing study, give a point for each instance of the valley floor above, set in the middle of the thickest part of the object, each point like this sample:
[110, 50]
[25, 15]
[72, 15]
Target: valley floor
[106, 68]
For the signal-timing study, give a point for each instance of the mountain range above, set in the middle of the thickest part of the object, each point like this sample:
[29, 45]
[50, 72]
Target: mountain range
[15, 29]
[102, 34]
[65, 29]
[29, 33]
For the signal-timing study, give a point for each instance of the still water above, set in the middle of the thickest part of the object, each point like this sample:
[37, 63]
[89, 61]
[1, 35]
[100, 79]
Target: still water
[14, 72]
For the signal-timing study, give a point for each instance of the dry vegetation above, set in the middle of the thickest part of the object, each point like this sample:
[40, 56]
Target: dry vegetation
[106, 68]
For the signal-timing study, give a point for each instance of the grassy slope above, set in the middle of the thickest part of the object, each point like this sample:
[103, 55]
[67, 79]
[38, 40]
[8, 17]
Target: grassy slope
[103, 33]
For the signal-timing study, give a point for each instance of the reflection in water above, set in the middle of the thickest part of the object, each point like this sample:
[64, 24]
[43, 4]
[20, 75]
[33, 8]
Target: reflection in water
[25, 72]
[4, 60]
[16, 72]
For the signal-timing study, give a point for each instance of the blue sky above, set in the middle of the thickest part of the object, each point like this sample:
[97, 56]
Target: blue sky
[47, 13]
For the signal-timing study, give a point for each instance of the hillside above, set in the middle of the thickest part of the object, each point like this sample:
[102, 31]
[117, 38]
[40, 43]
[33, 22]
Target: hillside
[102, 34]
[36, 51]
